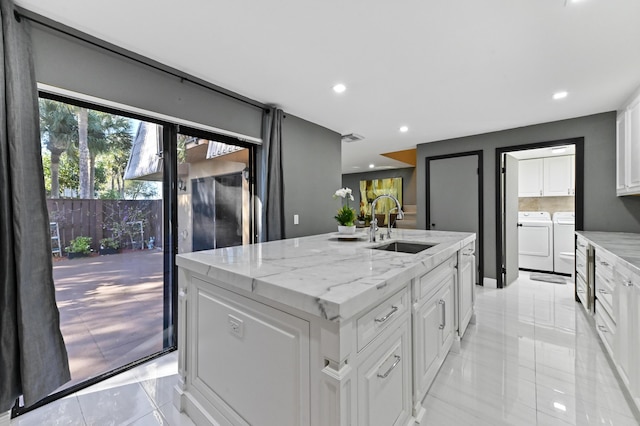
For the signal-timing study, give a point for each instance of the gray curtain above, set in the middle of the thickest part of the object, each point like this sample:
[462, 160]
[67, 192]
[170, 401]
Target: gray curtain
[270, 184]
[33, 358]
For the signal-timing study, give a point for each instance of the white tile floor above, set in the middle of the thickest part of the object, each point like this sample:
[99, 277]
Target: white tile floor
[532, 358]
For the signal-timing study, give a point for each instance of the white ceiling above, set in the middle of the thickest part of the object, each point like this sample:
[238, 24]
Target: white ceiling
[445, 68]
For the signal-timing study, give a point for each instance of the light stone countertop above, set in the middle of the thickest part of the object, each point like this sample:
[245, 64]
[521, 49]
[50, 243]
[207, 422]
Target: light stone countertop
[321, 274]
[624, 245]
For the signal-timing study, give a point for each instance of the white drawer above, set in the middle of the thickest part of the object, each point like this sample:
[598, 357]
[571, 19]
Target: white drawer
[581, 245]
[430, 282]
[372, 323]
[581, 265]
[606, 328]
[604, 263]
[581, 290]
[605, 294]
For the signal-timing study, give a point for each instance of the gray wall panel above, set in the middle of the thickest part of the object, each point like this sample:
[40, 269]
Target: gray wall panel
[71, 64]
[311, 157]
[603, 211]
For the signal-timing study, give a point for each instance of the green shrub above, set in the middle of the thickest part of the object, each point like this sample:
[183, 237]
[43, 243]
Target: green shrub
[79, 245]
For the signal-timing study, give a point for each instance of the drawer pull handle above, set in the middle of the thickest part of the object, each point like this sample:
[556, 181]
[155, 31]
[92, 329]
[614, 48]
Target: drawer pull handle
[580, 290]
[443, 323]
[395, 364]
[603, 263]
[394, 309]
[580, 265]
[581, 245]
[603, 328]
[602, 291]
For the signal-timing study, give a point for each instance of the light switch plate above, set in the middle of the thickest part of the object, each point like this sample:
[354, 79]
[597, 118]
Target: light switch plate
[296, 219]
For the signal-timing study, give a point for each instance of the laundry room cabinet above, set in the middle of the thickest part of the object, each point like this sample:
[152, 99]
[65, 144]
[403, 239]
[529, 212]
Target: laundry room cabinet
[628, 149]
[547, 177]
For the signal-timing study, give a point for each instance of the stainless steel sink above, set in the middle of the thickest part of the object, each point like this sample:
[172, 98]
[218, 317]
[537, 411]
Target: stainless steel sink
[404, 247]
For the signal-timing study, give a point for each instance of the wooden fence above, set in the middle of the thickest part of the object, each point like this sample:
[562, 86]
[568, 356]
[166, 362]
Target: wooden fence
[104, 218]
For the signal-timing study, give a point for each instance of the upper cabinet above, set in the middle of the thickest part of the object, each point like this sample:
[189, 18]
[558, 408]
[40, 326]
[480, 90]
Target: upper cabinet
[558, 176]
[530, 175]
[628, 150]
[547, 177]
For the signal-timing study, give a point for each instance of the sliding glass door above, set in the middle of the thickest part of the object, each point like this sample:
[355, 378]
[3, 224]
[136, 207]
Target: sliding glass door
[126, 194]
[214, 191]
[105, 182]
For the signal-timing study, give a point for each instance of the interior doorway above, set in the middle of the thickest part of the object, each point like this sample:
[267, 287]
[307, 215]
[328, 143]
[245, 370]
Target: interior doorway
[532, 191]
[455, 197]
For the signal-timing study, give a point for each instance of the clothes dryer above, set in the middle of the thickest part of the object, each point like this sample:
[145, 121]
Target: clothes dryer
[535, 241]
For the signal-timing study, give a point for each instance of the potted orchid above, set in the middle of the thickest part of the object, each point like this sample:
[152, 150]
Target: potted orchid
[346, 215]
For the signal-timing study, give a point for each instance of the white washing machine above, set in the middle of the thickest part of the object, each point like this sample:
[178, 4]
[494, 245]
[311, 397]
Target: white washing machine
[564, 225]
[535, 241]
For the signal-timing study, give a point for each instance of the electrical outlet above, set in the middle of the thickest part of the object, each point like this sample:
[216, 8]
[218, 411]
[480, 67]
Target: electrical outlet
[236, 326]
[296, 219]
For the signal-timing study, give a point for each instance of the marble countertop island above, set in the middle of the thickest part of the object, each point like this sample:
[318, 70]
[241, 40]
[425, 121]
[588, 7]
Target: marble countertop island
[322, 274]
[624, 245]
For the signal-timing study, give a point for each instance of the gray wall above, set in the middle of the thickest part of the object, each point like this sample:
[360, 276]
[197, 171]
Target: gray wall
[603, 211]
[71, 64]
[312, 164]
[408, 175]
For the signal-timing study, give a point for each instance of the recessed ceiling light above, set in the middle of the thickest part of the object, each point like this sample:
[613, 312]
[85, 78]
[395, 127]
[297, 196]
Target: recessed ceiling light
[339, 88]
[404, 129]
[371, 166]
[560, 95]
[558, 149]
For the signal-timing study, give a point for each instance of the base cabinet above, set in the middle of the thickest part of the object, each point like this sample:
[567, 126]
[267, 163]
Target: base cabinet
[238, 341]
[384, 381]
[466, 287]
[246, 360]
[433, 326]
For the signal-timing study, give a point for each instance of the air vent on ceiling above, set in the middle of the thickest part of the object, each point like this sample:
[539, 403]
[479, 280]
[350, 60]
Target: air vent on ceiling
[352, 137]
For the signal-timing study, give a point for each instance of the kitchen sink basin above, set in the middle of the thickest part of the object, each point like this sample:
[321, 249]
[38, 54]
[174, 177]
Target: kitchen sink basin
[404, 247]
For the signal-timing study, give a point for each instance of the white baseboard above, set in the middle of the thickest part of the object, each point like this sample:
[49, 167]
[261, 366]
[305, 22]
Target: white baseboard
[5, 418]
[490, 282]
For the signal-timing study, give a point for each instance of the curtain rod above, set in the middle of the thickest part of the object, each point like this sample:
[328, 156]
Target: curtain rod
[20, 13]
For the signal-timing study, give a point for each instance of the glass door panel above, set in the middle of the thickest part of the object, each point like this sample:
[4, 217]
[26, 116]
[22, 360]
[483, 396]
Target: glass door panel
[104, 182]
[214, 193]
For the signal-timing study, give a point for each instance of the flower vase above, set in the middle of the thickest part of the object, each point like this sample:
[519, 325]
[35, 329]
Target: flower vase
[347, 230]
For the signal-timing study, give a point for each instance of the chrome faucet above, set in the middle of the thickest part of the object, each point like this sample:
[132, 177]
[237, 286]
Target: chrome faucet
[374, 220]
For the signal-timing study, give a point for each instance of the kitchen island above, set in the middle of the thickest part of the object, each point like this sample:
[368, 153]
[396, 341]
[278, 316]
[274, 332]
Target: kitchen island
[320, 330]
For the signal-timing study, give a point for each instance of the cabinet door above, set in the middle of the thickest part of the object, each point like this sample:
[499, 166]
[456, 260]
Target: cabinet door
[558, 179]
[426, 350]
[384, 381]
[633, 145]
[621, 153]
[447, 307]
[466, 285]
[530, 175]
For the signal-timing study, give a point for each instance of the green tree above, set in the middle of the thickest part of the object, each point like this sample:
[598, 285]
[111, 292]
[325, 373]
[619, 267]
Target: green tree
[58, 130]
[83, 152]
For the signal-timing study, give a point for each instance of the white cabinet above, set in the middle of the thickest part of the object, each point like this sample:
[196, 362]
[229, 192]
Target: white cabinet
[241, 341]
[384, 380]
[433, 325]
[530, 177]
[547, 177]
[466, 287]
[628, 335]
[628, 150]
[558, 176]
[621, 154]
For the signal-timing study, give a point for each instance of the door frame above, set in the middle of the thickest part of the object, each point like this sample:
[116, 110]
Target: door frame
[480, 236]
[578, 142]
